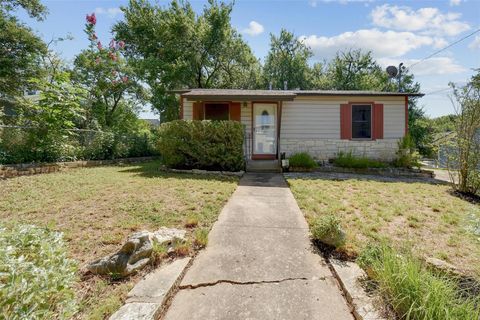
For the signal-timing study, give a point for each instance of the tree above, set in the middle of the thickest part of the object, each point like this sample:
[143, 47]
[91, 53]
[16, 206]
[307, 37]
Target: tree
[465, 154]
[104, 73]
[355, 70]
[173, 48]
[20, 49]
[48, 121]
[287, 61]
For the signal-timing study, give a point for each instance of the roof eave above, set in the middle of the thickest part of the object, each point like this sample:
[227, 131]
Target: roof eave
[259, 98]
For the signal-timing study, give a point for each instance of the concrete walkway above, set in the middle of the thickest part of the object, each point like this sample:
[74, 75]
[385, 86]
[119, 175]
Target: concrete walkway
[259, 263]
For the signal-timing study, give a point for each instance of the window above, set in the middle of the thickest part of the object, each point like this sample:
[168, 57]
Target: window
[216, 111]
[361, 121]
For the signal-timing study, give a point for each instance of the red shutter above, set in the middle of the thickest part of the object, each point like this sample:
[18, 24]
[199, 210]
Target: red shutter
[197, 112]
[345, 121]
[377, 121]
[235, 111]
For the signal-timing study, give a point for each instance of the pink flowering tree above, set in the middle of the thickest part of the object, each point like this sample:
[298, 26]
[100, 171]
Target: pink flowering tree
[103, 70]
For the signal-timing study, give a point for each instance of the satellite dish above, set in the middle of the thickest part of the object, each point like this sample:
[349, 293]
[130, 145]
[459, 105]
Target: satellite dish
[392, 71]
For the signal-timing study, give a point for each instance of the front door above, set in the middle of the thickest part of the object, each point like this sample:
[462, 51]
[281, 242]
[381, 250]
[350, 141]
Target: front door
[264, 130]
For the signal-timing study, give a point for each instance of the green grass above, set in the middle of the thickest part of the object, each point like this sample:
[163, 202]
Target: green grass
[413, 291]
[97, 208]
[426, 217]
[348, 160]
[302, 160]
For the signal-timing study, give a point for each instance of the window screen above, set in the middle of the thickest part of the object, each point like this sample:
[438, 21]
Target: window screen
[361, 121]
[216, 111]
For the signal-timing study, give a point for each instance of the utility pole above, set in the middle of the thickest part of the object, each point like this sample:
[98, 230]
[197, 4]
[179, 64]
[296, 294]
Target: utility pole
[401, 68]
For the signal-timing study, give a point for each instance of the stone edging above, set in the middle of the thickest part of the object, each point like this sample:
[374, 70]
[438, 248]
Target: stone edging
[25, 169]
[149, 298]
[389, 172]
[349, 275]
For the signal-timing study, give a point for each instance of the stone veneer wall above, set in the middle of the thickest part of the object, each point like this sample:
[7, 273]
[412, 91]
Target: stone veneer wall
[325, 149]
[26, 169]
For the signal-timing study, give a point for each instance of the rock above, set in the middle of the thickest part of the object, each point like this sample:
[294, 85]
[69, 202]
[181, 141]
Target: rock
[336, 239]
[133, 256]
[167, 235]
[442, 265]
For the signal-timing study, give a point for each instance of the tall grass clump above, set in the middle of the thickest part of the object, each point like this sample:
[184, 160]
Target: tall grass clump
[36, 275]
[413, 291]
[349, 160]
[407, 155]
[327, 229]
[302, 160]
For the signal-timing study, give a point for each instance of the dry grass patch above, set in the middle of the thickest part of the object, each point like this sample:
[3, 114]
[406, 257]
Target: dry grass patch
[425, 217]
[97, 208]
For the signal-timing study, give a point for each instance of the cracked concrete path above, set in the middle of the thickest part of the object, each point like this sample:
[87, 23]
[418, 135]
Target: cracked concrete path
[259, 263]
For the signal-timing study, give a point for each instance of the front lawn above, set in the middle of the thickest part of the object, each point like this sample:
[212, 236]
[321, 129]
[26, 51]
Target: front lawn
[425, 217]
[97, 208]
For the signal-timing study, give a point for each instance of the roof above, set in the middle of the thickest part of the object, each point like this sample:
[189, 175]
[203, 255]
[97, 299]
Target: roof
[277, 95]
[234, 94]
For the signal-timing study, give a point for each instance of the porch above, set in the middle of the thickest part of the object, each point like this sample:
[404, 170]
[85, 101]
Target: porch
[259, 111]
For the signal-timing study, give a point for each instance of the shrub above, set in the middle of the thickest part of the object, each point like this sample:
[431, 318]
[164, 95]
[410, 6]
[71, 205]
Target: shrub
[327, 229]
[98, 145]
[413, 291]
[407, 156]
[302, 160]
[348, 160]
[36, 276]
[213, 145]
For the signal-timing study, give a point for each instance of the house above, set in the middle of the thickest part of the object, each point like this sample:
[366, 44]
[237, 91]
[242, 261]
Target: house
[322, 123]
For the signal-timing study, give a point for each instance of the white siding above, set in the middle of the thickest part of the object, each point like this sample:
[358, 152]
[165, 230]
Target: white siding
[393, 120]
[319, 118]
[187, 109]
[310, 119]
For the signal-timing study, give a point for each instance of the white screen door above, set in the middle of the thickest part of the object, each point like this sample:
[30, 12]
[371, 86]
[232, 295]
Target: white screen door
[264, 128]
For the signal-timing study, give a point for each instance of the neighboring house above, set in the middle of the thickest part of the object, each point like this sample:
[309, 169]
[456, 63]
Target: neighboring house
[322, 123]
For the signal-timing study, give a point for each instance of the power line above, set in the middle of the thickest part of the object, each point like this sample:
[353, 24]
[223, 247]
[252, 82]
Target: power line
[445, 48]
[437, 91]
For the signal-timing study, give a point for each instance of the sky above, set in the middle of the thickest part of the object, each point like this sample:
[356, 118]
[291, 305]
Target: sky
[395, 31]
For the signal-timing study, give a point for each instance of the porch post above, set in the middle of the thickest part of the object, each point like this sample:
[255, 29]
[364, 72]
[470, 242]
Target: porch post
[279, 126]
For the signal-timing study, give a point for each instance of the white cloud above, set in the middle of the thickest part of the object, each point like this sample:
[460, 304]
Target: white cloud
[111, 12]
[432, 66]
[455, 2]
[424, 20]
[314, 3]
[381, 43]
[475, 44]
[254, 29]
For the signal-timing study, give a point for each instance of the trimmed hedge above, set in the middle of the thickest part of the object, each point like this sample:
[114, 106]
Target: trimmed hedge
[210, 145]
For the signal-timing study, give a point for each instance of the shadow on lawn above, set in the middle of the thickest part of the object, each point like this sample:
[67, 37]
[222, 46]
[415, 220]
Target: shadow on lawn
[336, 176]
[154, 170]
